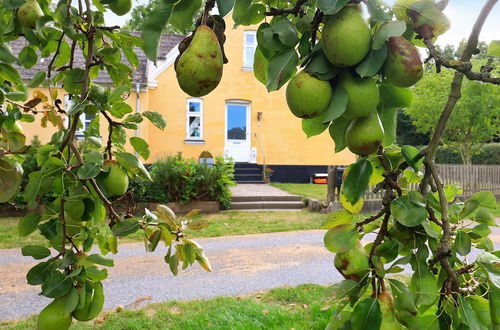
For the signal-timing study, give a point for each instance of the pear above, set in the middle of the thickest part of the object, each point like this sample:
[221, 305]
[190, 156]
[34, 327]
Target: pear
[346, 37]
[52, 317]
[307, 96]
[364, 135]
[403, 67]
[116, 182]
[120, 7]
[199, 68]
[363, 95]
[28, 13]
[353, 264]
[387, 308]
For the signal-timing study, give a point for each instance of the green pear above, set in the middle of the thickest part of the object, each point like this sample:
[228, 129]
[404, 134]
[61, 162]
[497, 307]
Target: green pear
[346, 37]
[52, 317]
[116, 182]
[29, 13]
[307, 96]
[120, 7]
[364, 135]
[363, 95]
[387, 308]
[199, 68]
[403, 67]
[74, 210]
[353, 264]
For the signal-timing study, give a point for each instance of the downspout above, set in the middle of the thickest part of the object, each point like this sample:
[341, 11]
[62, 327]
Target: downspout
[137, 104]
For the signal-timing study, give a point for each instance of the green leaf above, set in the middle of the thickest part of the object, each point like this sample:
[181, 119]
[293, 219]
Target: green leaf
[485, 199]
[100, 260]
[407, 212]
[182, 15]
[424, 285]
[35, 251]
[330, 7]
[125, 227]
[281, 68]
[156, 119]
[379, 11]
[28, 223]
[64, 54]
[120, 109]
[469, 207]
[39, 273]
[367, 315]
[224, 6]
[73, 81]
[71, 301]
[314, 126]
[481, 230]
[394, 97]
[8, 72]
[285, 30]
[28, 57]
[88, 171]
[468, 315]
[462, 243]
[337, 218]
[37, 79]
[320, 67]
[337, 133]
[386, 31]
[56, 285]
[484, 216]
[494, 48]
[341, 238]
[152, 29]
[133, 165]
[337, 106]
[247, 13]
[412, 156]
[6, 55]
[389, 119]
[96, 274]
[491, 265]
[388, 250]
[373, 62]
[140, 146]
[357, 179]
[428, 20]
[11, 174]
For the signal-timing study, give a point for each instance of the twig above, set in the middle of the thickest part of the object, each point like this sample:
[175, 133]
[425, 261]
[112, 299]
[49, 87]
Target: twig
[371, 219]
[432, 216]
[49, 68]
[318, 16]
[294, 10]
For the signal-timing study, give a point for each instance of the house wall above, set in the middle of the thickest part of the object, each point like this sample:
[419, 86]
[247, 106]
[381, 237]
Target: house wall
[279, 132]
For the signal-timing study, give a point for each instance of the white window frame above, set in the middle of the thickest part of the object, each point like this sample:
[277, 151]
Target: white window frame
[248, 66]
[190, 114]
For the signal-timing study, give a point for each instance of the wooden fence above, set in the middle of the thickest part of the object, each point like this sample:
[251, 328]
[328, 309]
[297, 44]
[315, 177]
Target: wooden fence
[471, 178]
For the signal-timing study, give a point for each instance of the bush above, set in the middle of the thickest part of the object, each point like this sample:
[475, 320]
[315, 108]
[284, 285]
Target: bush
[490, 154]
[177, 179]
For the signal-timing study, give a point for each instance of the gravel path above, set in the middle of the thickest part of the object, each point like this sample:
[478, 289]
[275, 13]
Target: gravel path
[242, 264]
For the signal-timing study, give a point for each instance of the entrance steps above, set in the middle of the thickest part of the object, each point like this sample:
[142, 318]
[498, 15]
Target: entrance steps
[248, 173]
[285, 202]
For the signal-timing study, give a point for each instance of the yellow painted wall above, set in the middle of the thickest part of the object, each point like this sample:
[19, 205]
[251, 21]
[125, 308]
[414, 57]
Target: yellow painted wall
[279, 132]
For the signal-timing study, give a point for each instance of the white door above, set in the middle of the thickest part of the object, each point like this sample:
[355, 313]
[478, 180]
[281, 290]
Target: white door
[238, 131]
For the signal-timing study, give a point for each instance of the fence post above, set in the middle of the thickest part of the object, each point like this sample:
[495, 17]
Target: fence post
[331, 183]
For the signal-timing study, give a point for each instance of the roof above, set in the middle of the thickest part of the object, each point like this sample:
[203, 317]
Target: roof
[140, 75]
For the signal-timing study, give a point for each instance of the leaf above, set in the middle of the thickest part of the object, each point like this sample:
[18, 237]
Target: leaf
[389, 119]
[56, 285]
[133, 165]
[494, 48]
[37, 274]
[330, 7]
[28, 57]
[35, 251]
[357, 179]
[6, 54]
[73, 81]
[71, 301]
[224, 6]
[10, 179]
[155, 118]
[337, 133]
[281, 68]
[8, 72]
[353, 208]
[120, 109]
[485, 199]
[407, 212]
[484, 216]
[373, 62]
[100, 260]
[88, 171]
[412, 156]
[260, 66]
[462, 243]
[28, 224]
[425, 286]
[367, 315]
[386, 31]
[337, 218]
[314, 126]
[247, 13]
[152, 29]
[337, 106]
[491, 265]
[183, 12]
[341, 238]
[125, 227]
[428, 20]
[468, 315]
[37, 79]
[379, 10]
[395, 97]
[140, 146]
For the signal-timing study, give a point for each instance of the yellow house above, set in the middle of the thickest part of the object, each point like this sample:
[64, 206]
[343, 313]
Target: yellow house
[239, 119]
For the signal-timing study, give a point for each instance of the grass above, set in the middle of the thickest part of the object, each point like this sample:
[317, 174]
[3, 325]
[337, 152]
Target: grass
[303, 307]
[318, 191]
[220, 224]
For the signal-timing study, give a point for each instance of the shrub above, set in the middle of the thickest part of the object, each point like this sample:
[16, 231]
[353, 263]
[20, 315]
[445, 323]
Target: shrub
[177, 179]
[490, 154]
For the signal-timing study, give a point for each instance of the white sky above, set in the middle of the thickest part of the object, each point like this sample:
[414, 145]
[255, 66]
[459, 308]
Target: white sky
[461, 13]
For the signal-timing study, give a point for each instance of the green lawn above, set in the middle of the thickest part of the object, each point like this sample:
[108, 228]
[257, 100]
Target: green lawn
[318, 191]
[220, 224]
[302, 307]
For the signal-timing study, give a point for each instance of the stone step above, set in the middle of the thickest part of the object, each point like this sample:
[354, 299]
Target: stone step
[247, 177]
[267, 205]
[250, 182]
[284, 198]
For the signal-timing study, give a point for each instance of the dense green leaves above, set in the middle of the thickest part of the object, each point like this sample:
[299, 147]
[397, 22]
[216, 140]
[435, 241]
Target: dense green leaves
[408, 212]
[330, 7]
[152, 29]
[183, 12]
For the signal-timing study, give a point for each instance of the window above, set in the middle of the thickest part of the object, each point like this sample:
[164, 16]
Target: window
[194, 119]
[250, 44]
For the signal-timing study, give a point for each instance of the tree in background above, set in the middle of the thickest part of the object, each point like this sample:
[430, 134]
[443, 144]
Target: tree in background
[406, 131]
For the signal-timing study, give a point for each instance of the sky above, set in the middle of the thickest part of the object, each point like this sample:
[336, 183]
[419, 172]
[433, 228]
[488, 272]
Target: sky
[461, 13]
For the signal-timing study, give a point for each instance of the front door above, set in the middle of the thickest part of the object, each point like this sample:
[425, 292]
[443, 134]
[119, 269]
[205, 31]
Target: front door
[238, 131]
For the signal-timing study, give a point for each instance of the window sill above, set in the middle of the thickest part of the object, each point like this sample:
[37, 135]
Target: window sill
[194, 142]
[247, 68]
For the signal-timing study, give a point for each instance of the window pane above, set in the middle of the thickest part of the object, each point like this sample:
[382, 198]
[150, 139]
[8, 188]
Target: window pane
[194, 107]
[249, 54]
[236, 122]
[249, 38]
[88, 119]
[194, 127]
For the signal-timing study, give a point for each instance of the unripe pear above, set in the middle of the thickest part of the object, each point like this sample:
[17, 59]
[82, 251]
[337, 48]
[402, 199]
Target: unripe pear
[353, 264]
[387, 308]
[29, 13]
[307, 96]
[363, 95]
[346, 37]
[120, 7]
[364, 135]
[74, 210]
[199, 67]
[52, 317]
[403, 67]
[116, 182]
